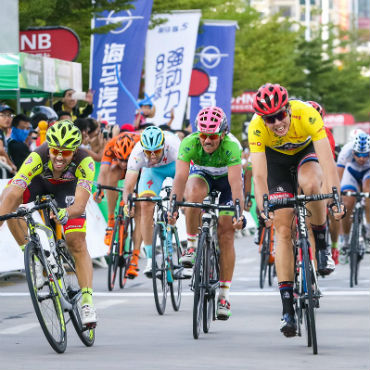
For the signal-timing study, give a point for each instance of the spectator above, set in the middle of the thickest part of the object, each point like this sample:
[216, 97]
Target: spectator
[43, 113]
[96, 140]
[69, 104]
[64, 115]
[6, 116]
[127, 127]
[147, 110]
[84, 126]
[20, 138]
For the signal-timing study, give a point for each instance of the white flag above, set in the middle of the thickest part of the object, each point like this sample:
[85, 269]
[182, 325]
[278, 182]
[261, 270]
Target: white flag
[169, 57]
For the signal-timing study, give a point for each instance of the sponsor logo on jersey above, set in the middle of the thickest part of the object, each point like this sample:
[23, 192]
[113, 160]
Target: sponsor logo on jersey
[257, 132]
[83, 173]
[24, 177]
[292, 146]
[87, 185]
[21, 183]
[91, 166]
[296, 117]
[29, 160]
[34, 169]
[312, 120]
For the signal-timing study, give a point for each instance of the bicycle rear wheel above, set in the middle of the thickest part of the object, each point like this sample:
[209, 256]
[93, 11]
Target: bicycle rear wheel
[265, 256]
[198, 285]
[176, 284]
[113, 257]
[159, 273]
[209, 304]
[86, 335]
[45, 300]
[309, 304]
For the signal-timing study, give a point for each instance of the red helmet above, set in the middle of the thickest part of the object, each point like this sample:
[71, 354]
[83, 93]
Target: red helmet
[269, 99]
[318, 107]
[123, 146]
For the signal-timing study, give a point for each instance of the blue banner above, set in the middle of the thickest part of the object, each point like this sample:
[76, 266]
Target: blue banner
[215, 56]
[116, 62]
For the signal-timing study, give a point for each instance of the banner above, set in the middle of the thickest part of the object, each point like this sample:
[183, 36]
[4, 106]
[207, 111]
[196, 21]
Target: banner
[122, 48]
[215, 55]
[169, 59]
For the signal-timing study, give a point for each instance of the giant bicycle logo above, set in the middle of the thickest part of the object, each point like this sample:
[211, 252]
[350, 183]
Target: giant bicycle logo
[125, 20]
[210, 56]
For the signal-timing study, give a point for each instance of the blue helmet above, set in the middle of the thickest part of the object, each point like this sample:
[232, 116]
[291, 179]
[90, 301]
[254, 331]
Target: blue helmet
[152, 138]
[361, 145]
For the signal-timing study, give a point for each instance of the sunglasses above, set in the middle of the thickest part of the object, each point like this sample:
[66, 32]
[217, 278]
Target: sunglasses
[278, 116]
[209, 136]
[8, 115]
[149, 152]
[64, 153]
[361, 155]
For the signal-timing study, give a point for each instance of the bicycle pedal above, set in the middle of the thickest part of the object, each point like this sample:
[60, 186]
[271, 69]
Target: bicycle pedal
[90, 326]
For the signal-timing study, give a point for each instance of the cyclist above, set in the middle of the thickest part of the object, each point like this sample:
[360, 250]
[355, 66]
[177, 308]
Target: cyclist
[333, 226]
[58, 167]
[112, 169]
[216, 165]
[284, 135]
[155, 156]
[354, 172]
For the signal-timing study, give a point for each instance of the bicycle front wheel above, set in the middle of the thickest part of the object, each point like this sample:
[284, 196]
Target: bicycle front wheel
[353, 252]
[113, 257]
[265, 256]
[159, 272]
[45, 299]
[309, 304]
[198, 286]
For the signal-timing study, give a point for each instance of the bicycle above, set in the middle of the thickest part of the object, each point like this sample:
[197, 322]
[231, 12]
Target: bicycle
[206, 275]
[306, 289]
[357, 236]
[121, 246]
[60, 291]
[167, 271]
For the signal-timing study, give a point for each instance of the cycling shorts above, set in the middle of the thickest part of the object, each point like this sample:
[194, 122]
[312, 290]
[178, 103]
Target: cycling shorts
[64, 195]
[151, 179]
[279, 165]
[220, 184]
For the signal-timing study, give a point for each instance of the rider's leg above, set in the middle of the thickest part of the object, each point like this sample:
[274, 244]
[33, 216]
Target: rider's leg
[137, 240]
[366, 188]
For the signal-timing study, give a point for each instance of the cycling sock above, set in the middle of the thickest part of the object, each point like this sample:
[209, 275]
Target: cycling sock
[319, 232]
[192, 241]
[224, 289]
[86, 296]
[22, 247]
[111, 220]
[148, 251]
[286, 292]
[334, 245]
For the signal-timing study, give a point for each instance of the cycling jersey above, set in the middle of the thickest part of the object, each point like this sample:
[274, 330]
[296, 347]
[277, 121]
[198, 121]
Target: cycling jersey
[80, 171]
[139, 160]
[108, 154]
[354, 174]
[215, 164]
[306, 126]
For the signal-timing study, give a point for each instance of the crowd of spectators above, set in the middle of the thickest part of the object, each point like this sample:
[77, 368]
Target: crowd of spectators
[20, 134]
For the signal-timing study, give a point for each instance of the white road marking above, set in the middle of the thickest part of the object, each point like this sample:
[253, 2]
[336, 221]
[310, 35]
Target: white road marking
[19, 328]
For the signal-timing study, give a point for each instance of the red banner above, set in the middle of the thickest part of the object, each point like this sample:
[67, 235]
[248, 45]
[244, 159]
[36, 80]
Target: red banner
[243, 103]
[338, 119]
[54, 42]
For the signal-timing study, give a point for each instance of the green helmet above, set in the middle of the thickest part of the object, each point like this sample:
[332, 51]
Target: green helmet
[64, 134]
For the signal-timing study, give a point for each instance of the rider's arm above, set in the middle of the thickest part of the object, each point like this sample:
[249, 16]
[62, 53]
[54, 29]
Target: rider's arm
[78, 207]
[259, 170]
[10, 199]
[130, 182]
[181, 177]
[103, 174]
[340, 171]
[234, 175]
[326, 160]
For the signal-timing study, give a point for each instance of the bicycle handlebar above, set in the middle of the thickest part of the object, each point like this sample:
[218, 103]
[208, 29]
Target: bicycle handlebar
[107, 187]
[22, 211]
[351, 193]
[175, 204]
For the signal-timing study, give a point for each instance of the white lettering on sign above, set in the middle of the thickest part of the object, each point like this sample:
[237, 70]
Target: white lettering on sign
[41, 41]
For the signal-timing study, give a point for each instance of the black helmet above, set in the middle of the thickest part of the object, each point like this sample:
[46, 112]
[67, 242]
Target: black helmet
[47, 111]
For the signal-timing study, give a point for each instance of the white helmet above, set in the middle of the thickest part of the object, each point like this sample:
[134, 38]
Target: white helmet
[361, 144]
[353, 133]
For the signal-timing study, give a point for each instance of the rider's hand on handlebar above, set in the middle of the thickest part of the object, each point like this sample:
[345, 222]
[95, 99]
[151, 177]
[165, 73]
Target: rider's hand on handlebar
[128, 212]
[239, 224]
[61, 217]
[268, 220]
[338, 215]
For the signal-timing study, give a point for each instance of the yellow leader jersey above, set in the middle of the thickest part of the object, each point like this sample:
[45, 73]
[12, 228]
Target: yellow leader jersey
[306, 125]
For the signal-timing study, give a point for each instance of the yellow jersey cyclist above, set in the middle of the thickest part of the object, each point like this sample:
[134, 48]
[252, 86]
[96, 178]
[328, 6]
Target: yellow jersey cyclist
[354, 171]
[283, 135]
[216, 165]
[59, 167]
[155, 156]
[113, 167]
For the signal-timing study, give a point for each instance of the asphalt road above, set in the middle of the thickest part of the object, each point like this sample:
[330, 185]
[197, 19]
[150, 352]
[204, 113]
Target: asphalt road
[131, 335]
